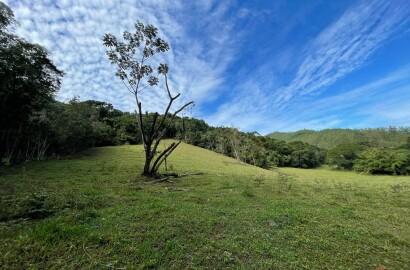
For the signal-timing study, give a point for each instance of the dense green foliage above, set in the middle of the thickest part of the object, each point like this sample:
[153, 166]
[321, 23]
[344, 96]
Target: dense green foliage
[28, 80]
[371, 160]
[250, 148]
[373, 151]
[330, 138]
[344, 155]
[384, 161]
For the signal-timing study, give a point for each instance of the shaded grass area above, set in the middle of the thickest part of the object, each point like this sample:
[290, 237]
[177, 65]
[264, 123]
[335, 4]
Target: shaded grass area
[93, 211]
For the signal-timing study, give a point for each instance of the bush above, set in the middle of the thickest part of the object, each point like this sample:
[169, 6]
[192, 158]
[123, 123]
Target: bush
[344, 155]
[384, 161]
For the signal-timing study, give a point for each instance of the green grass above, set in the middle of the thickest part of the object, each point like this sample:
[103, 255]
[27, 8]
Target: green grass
[93, 211]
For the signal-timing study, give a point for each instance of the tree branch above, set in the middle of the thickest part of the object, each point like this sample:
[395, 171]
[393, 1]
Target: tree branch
[151, 134]
[161, 134]
[134, 91]
[160, 159]
[162, 154]
[169, 92]
[183, 107]
[165, 179]
[139, 121]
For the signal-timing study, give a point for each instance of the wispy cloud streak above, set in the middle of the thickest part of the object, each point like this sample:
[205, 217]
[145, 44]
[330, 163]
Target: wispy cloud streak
[381, 102]
[345, 46]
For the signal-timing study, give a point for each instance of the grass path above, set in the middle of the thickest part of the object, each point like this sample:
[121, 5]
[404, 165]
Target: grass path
[93, 212]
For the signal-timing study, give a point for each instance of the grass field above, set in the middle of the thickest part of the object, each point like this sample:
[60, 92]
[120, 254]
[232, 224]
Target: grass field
[93, 211]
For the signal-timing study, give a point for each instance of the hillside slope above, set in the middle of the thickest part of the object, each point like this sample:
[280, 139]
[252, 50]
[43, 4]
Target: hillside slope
[329, 138]
[93, 211]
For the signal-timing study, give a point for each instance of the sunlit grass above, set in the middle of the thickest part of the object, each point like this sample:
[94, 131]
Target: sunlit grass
[93, 211]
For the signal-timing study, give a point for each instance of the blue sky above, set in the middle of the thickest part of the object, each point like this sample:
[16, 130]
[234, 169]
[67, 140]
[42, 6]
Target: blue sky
[256, 65]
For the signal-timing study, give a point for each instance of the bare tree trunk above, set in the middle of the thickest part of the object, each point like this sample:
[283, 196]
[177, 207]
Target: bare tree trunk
[238, 160]
[164, 154]
[152, 136]
[235, 144]
[148, 159]
[27, 149]
[42, 148]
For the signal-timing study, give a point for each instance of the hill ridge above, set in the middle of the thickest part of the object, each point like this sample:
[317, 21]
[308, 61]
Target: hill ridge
[329, 138]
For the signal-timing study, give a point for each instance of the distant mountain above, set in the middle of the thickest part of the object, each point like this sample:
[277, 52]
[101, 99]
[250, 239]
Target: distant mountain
[329, 138]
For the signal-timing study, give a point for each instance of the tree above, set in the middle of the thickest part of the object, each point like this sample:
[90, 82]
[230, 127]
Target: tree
[75, 126]
[383, 161]
[6, 16]
[133, 58]
[28, 81]
[235, 142]
[304, 155]
[344, 155]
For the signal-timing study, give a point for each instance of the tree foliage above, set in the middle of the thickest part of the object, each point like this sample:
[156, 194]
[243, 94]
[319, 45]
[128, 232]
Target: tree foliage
[384, 161]
[133, 59]
[344, 156]
[28, 81]
[330, 138]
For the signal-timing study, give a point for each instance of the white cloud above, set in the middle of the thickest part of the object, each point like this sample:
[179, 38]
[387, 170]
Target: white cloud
[72, 31]
[381, 103]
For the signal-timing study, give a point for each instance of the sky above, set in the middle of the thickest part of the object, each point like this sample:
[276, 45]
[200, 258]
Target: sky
[255, 65]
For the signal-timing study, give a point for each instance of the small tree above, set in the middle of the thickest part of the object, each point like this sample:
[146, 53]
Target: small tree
[132, 58]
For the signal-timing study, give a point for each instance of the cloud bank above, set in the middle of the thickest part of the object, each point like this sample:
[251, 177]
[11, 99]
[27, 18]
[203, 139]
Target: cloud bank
[72, 30]
[210, 60]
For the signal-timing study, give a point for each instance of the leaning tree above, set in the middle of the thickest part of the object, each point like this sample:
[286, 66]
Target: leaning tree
[133, 58]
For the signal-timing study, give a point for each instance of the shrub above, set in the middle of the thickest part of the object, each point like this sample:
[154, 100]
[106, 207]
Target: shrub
[384, 161]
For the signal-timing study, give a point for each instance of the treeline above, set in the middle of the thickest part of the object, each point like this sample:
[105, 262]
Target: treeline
[365, 158]
[28, 81]
[373, 150]
[60, 129]
[330, 138]
[250, 148]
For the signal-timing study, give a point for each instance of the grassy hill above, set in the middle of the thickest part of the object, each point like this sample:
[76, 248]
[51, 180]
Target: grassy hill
[330, 138]
[93, 211]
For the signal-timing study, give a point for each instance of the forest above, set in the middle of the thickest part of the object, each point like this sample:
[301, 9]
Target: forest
[59, 129]
[387, 137]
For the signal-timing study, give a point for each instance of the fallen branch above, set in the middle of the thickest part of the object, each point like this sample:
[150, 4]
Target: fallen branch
[170, 174]
[116, 268]
[187, 174]
[166, 179]
[85, 251]
[178, 189]
[174, 175]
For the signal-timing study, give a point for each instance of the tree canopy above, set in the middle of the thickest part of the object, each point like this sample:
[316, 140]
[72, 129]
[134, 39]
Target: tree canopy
[28, 81]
